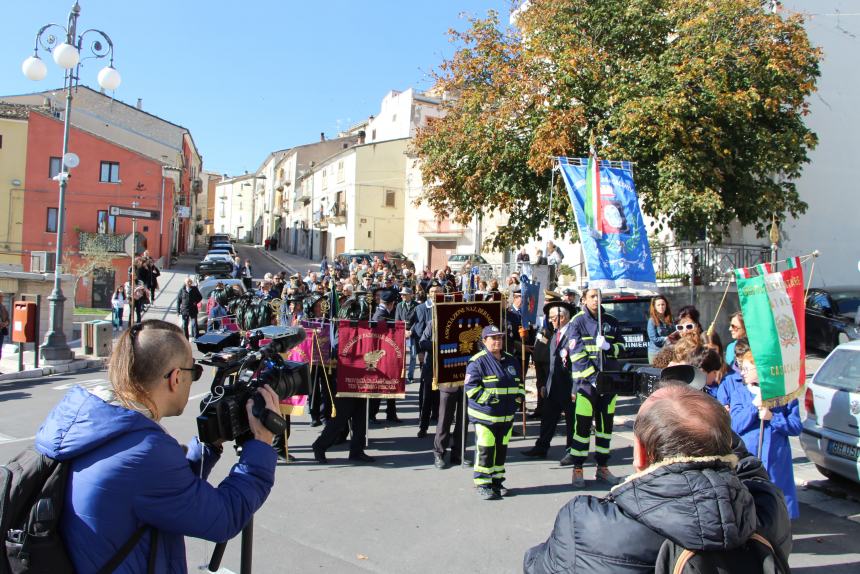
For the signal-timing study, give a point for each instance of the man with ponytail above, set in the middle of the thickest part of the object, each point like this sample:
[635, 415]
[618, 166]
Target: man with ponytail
[128, 476]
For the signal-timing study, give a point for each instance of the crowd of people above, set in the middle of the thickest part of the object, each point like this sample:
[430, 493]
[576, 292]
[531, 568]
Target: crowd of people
[137, 296]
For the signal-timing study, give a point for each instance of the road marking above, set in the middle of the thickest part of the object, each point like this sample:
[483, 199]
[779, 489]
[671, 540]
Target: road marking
[5, 439]
[88, 384]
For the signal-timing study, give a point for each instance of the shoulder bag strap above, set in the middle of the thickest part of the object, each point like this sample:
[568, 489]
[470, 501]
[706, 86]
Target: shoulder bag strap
[123, 552]
[682, 560]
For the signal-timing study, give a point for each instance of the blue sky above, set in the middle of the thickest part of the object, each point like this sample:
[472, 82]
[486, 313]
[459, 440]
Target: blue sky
[251, 77]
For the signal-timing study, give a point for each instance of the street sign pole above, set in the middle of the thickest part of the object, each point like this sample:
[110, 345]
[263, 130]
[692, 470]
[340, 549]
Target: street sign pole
[133, 306]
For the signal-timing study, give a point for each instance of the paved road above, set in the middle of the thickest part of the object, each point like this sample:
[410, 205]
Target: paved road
[401, 514]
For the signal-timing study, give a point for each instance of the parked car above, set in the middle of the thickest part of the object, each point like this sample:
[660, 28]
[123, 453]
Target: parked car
[215, 265]
[397, 258]
[220, 238]
[831, 427]
[831, 317]
[456, 261]
[223, 247]
[206, 287]
[363, 255]
[632, 312]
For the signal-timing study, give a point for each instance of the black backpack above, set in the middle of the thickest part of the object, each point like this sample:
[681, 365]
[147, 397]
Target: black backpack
[756, 556]
[32, 493]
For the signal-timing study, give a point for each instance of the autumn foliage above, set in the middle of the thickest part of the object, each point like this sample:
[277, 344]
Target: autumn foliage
[707, 98]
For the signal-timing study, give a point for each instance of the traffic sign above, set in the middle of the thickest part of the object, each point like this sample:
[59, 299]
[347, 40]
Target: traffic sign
[138, 213]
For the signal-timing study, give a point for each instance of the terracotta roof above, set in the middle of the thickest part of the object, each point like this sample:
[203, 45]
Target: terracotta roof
[14, 111]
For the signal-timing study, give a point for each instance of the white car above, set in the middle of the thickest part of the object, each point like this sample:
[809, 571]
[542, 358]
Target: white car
[217, 256]
[831, 429]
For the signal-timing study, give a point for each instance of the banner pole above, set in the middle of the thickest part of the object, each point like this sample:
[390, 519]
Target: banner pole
[464, 430]
[366, 423]
[523, 333]
[599, 331]
[774, 238]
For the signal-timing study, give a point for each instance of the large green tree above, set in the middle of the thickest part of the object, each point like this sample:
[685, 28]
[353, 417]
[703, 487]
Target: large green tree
[707, 97]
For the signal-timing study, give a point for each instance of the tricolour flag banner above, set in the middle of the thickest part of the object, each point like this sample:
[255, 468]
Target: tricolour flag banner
[773, 308]
[457, 330]
[371, 359]
[530, 293]
[611, 228]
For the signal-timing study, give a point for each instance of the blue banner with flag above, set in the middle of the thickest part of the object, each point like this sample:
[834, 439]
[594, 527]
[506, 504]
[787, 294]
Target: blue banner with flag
[610, 223]
[530, 292]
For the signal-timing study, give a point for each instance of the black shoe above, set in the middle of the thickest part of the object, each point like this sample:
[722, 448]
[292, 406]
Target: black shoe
[457, 461]
[422, 433]
[361, 457]
[291, 458]
[567, 460]
[534, 415]
[374, 421]
[316, 423]
[535, 453]
[282, 456]
[516, 432]
[487, 493]
[439, 462]
[393, 420]
[319, 455]
[499, 488]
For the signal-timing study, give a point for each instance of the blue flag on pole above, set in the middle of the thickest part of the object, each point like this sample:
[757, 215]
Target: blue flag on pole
[616, 251]
[528, 308]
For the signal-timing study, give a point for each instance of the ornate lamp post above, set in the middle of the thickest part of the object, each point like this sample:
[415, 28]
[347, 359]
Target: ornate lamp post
[67, 55]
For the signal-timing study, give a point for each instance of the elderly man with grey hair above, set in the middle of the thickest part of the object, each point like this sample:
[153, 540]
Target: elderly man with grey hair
[696, 488]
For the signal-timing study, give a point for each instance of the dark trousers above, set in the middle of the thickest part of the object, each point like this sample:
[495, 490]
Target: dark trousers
[390, 408]
[349, 410]
[450, 410]
[428, 399]
[319, 407]
[600, 409]
[553, 407]
[279, 443]
[541, 374]
[189, 325]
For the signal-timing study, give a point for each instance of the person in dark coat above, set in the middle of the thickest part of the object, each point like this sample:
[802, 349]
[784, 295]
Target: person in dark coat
[422, 327]
[690, 488]
[385, 312]
[405, 311]
[186, 305]
[558, 389]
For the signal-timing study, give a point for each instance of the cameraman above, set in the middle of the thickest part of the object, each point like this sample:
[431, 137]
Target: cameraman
[126, 472]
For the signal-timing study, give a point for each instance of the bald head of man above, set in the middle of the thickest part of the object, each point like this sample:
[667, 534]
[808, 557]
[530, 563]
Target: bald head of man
[680, 422]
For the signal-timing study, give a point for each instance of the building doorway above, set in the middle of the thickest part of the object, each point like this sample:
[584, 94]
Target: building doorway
[438, 253]
[103, 287]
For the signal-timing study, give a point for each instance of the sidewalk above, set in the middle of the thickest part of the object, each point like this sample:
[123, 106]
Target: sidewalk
[293, 263]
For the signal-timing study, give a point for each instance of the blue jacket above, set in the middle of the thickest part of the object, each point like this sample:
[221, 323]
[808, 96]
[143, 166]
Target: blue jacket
[584, 355]
[776, 450]
[126, 471]
[493, 387]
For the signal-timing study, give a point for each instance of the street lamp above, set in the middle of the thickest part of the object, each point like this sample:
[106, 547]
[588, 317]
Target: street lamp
[67, 55]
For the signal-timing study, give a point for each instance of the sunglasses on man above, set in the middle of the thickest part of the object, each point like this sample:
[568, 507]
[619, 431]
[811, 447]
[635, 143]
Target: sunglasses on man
[685, 326]
[196, 372]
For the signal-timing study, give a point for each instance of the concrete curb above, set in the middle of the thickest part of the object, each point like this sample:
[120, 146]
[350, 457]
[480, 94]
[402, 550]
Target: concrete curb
[80, 364]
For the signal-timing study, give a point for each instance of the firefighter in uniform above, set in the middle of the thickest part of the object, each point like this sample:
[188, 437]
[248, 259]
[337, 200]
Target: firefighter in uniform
[495, 390]
[589, 405]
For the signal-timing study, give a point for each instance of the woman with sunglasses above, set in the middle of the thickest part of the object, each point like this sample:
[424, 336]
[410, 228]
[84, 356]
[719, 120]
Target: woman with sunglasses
[688, 323]
[780, 423]
[660, 325]
[738, 330]
[129, 478]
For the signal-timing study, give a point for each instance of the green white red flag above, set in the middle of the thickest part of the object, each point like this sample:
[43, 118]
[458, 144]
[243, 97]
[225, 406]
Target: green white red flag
[773, 306]
[593, 203]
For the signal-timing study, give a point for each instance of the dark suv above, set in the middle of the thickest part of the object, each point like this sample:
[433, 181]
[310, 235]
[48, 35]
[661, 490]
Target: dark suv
[632, 312]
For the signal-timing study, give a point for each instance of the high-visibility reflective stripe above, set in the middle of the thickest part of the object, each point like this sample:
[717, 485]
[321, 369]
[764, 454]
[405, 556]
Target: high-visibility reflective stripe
[485, 396]
[590, 370]
[601, 449]
[484, 469]
[591, 348]
[489, 418]
[587, 338]
[579, 356]
[484, 436]
[584, 408]
[602, 435]
[490, 378]
[477, 355]
[473, 391]
[483, 480]
[577, 452]
[503, 390]
[578, 438]
[610, 409]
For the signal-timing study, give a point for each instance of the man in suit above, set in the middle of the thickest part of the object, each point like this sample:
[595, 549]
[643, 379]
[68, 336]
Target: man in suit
[405, 311]
[422, 328]
[558, 392]
[186, 305]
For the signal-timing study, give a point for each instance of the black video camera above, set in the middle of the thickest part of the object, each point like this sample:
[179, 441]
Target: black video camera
[243, 370]
[642, 381]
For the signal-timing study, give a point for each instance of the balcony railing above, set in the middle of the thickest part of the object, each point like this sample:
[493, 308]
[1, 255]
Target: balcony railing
[711, 262]
[440, 228]
[111, 242]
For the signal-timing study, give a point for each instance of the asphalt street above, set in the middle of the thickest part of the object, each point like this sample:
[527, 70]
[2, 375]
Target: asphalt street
[401, 514]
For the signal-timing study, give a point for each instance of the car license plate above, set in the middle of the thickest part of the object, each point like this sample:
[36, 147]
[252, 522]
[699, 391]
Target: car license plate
[844, 450]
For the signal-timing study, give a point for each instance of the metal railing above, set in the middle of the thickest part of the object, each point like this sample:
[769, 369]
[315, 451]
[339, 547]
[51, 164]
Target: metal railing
[710, 262]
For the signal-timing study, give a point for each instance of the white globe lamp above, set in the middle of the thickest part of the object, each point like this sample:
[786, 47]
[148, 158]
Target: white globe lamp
[34, 68]
[109, 78]
[66, 56]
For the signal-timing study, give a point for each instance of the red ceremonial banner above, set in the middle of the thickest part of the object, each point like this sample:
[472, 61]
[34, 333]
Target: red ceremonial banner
[322, 342]
[457, 336]
[371, 360]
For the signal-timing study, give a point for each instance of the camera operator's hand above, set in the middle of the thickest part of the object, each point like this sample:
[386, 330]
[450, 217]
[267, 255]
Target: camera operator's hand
[260, 432]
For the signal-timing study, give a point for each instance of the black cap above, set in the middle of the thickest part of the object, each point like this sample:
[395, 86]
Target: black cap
[564, 304]
[387, 295]
[568, 291]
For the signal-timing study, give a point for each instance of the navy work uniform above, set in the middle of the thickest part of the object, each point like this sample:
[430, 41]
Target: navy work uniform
[495, 390]
[589, 405]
